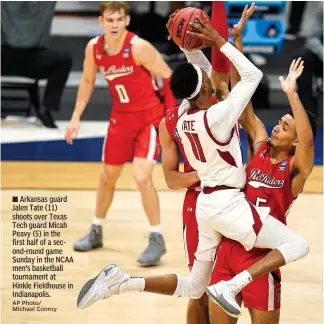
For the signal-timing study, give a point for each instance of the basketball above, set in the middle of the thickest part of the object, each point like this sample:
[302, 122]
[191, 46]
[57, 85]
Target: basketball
[180, 24]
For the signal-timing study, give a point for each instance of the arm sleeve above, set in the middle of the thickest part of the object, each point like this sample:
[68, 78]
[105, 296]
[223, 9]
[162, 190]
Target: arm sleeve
[198, 57]
[222, 117]
[220, 62]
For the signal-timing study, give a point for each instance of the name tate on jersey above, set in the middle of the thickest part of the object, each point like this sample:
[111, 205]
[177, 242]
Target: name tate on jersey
[188, 125]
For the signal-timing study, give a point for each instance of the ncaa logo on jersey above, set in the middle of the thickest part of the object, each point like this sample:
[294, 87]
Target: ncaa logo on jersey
[126, 52]
[283, 166]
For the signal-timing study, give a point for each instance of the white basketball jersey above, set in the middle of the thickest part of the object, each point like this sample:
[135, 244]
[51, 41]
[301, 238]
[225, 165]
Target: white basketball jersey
[217, 163]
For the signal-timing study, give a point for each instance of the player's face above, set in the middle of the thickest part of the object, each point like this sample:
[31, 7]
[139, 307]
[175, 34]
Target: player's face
[284, 133]
[114, 23]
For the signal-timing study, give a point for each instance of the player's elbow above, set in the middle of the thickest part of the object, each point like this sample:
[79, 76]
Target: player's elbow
[171, 184]
[258, 75]
[255, 75]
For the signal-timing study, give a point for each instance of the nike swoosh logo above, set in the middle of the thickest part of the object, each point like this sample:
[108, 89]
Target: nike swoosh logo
[111, 77]
[257, 184]
[107, 271]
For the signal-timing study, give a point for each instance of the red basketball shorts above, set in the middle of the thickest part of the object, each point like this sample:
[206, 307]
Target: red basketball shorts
[263, 293]
[190, 227]
[132, 134]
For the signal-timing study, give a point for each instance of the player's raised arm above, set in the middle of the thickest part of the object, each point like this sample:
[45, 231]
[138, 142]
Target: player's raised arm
[223, 118]
[170, 162]
[252, 125]
[147, 55]
[85, 90]
[303, 160]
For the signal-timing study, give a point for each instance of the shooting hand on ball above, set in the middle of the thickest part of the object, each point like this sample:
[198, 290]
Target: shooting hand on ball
[205, 31]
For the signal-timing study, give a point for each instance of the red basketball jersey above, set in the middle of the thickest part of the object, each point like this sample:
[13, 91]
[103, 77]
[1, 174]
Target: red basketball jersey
[269, 184]
[171, 119]
[130, 85]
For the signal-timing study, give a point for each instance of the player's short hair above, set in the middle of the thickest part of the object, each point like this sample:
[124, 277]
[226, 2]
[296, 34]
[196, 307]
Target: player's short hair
[183, 81]
[312, 120]
[113, 6]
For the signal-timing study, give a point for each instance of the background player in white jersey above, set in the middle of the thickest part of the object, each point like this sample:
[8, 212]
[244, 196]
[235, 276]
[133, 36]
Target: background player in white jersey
[221, 207]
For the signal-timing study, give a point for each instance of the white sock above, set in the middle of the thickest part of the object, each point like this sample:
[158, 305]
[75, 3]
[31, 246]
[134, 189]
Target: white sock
[98, 221]
[242, 279]
[133, 284]
[155, 229]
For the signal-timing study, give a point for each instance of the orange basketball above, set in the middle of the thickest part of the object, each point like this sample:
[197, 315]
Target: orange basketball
[180, 24]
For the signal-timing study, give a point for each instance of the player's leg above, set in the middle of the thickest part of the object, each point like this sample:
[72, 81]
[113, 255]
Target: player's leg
[147, 150]
[218, 316]
[264, 317]
[226, 256]
[220, 63]
[105, 193]
[117, 150]
[262, 296]
[286, 245]
[197, 310]
[111, 280]
[143, 170]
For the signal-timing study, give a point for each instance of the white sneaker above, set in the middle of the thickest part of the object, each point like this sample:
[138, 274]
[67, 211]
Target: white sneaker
[223, 294]
[104, 285]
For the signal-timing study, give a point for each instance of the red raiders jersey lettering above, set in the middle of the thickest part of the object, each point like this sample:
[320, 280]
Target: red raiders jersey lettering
[269, 184]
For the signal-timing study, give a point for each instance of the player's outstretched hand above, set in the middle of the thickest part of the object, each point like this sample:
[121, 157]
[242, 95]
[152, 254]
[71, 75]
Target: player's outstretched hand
[296, 69]
[247, 13]
[205, 31]
[71, 131]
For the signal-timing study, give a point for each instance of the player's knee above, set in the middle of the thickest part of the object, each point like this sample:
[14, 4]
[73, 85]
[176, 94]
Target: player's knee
[142, 180]
[195, 291]
[109, 177]
[295, 250]
[301, 249]
[304, 248]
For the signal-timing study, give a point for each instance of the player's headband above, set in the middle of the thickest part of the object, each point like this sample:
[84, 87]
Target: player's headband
[199, 83]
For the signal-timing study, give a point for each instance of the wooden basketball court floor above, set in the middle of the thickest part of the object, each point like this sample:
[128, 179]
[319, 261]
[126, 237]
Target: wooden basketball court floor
[125, 236]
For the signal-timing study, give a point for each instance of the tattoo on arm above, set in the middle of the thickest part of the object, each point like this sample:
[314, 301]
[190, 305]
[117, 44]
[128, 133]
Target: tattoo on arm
[256, 146]
[294, 172]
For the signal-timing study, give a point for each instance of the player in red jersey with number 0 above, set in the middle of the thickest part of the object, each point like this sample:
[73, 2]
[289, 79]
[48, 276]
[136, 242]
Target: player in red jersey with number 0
[128, 64]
